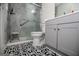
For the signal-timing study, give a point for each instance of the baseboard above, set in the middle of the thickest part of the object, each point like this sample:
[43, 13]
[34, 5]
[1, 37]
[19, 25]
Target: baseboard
[59, 53]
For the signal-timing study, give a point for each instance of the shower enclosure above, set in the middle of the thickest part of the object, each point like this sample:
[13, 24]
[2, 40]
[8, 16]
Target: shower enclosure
[24, 19]
[31, 22]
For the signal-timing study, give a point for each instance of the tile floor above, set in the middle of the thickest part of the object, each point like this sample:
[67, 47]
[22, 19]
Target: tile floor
[26, 49]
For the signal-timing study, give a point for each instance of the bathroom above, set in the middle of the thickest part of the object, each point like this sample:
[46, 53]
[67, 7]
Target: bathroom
[25, 25]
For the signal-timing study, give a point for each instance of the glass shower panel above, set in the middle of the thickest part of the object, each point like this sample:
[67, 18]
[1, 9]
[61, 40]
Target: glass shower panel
[31, 23]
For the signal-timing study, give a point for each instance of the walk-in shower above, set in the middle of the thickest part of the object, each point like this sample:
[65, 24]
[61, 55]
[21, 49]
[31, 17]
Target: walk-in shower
[31, 22]
[24, 19]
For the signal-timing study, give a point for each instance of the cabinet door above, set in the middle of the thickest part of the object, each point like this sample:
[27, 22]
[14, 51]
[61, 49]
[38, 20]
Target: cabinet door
[68, 38]
[51, 35]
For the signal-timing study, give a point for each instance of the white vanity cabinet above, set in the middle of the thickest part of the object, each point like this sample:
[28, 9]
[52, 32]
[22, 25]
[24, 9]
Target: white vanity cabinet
[63, 34]
[68, 38]
[51, 35]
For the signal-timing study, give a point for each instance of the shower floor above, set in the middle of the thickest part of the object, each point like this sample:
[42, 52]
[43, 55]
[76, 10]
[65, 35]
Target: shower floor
[27, 49]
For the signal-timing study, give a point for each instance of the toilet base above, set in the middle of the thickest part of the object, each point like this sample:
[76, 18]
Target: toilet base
[36, 42]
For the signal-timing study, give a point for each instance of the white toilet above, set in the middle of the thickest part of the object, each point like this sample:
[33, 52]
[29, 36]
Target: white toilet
[36, 38]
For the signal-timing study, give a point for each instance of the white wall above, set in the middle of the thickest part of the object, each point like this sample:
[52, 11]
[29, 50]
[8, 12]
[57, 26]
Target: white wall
[0, 22]
[47, 12]
[3, 25]
[67, 8]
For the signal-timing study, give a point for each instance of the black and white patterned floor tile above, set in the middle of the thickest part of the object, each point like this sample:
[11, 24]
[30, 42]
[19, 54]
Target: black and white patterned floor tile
[26, 49]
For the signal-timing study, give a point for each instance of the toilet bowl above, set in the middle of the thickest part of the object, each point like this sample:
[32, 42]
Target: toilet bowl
[36, 38]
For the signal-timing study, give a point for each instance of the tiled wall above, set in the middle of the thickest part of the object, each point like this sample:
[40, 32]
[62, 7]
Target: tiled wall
[66, 8]
[47, 13]
[23, 13]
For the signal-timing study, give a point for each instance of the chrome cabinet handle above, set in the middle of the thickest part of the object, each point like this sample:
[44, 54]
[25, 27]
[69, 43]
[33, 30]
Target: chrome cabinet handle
[56, 29]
